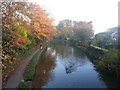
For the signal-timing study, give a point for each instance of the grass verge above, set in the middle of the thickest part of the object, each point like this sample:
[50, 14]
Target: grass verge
[25, 85]
[30, 70]
[98, 48]
[28, 75]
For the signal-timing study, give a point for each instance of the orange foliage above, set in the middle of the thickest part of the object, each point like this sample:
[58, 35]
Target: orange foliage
[28, 16]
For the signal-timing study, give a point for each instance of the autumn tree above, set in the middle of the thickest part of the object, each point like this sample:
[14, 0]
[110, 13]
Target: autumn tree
[23, 24]
[83, 31]
[65, 28]
[77, 30]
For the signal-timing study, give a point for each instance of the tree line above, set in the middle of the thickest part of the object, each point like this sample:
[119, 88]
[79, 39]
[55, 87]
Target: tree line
[75, 30]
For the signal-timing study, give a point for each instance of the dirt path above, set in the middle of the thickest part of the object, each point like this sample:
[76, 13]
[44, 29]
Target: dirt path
[17, 76]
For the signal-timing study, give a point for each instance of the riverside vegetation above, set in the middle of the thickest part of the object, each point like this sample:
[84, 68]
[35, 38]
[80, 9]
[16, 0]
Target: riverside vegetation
[33, 28]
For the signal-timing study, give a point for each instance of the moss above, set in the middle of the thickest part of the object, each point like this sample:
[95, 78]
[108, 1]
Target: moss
[25, 85]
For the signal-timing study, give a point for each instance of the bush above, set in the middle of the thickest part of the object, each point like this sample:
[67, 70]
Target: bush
[110, 62]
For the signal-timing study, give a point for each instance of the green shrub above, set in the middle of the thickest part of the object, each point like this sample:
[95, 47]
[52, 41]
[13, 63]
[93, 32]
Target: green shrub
[110, 62]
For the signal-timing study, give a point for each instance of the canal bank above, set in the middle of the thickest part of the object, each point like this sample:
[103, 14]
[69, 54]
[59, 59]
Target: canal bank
[30, 70]
[106, 63]
[66, 66]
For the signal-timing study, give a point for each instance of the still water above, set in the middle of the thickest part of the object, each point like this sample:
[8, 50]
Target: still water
[64, 66]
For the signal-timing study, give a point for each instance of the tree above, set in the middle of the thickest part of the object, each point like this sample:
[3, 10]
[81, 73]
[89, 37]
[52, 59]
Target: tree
[83, 34]
[79, 31]
[23, 24]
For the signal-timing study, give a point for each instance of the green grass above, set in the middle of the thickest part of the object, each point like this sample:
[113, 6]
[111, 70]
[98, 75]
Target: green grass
[25, 85]
[99, 48]
[30, 70]
[26, 53]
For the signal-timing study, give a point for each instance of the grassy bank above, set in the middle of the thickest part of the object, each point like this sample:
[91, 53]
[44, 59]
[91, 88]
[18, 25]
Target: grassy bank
[106, 61]
[30, 70]
[99, 48]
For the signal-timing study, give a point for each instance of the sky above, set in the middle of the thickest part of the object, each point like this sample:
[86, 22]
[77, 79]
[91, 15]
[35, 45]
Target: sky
[103, 13]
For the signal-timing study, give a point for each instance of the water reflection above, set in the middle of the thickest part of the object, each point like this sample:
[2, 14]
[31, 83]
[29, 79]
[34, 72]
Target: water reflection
[65, 66]
[44, 69]
[70, 58]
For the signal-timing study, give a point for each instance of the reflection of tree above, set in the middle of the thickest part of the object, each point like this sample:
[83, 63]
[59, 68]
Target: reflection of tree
[71, 65]
[110, 81]
[63, 50]
[78, 53]
[70, 57]
[44, 69]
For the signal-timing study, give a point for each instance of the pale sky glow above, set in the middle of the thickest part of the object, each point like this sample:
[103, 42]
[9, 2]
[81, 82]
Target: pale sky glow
[103, 13]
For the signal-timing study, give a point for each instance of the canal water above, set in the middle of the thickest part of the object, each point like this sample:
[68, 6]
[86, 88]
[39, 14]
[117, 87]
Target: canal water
[64, 66]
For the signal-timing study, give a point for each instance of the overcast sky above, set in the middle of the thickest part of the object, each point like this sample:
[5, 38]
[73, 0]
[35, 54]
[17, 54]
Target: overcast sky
[103, 13]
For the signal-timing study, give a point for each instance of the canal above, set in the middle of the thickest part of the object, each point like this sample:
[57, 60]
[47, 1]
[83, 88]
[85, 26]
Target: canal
[64, 66]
